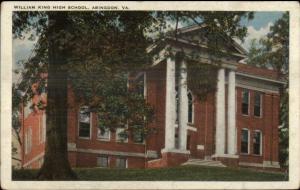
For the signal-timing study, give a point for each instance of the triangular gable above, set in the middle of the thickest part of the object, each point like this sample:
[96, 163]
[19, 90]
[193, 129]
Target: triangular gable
[196, 34]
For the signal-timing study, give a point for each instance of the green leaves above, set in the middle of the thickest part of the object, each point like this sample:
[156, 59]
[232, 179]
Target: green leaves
[101, 48]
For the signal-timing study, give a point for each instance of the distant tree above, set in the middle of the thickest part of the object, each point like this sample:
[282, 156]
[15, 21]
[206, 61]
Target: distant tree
[272, 52]
[94, 52]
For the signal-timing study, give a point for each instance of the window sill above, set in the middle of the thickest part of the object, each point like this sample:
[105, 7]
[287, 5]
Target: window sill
[139, 143]
[191, 124]
[84, 138]
[256, 155]
[103, 140]
[245, 115]
[123, 142]
[258, 117]
[244, 154]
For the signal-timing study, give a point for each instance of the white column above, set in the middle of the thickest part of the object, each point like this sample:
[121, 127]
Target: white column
[231, 114]
[220, 113]
[183, 106]
[170, 105]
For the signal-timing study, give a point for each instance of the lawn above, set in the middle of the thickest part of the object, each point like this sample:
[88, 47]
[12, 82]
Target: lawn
[182, 173]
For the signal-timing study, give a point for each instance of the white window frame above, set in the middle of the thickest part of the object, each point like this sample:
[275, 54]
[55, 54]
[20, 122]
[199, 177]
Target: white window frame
[26, 143]
[44, 124]
[260, 141]
[249, 97]
[118, 137]
[260, 97]
[78, 128]
[101, 138]
[248, 131]
[193, 107]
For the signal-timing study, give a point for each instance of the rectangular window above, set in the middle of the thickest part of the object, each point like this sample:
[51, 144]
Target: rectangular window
[103, 134]
[30, 140]
[257, 138]
[257, 104]
[26, 143]
[121, 163]
[245, 141]
[245, 102]
[84, 122]
[44, 127]
[121, 135]
[140, 85]
[102, 161]
[138, 134]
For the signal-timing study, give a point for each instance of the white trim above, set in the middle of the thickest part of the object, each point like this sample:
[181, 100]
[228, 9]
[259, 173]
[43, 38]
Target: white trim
[103, 139]
[193, 107]
[260, 106]
[265, 164]
[249, 97]
[260, 145]
[34, 159]
[192, 128]
[225, 156]
[204, 46]
[248, 151]
[260, 78]
[91, 124]
[256, 88]
[200, 147]
[111, 152]
[175, 151]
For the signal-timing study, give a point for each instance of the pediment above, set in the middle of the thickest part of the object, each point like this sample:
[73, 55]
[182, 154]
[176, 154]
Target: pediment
[198, 34]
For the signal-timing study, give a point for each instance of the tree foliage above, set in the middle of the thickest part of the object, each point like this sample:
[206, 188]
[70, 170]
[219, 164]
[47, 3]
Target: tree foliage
[272, 52]
[96, 52]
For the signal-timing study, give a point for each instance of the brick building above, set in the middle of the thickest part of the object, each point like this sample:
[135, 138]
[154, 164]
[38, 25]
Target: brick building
[238, 125]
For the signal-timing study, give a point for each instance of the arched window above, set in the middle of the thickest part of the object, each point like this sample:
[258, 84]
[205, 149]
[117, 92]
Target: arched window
[190, 108]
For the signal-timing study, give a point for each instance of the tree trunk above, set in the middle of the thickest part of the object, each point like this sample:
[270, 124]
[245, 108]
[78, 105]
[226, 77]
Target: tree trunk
[56, 164]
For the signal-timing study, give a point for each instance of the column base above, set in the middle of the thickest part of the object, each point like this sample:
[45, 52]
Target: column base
[270, 164]
[227, 159]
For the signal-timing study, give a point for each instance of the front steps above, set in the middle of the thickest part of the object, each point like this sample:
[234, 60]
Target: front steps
[199, 162]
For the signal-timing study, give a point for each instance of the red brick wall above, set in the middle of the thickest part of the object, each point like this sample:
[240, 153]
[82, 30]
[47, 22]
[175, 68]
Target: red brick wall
[267, 124]
[204, 122]
[156, 91]
[33, 121]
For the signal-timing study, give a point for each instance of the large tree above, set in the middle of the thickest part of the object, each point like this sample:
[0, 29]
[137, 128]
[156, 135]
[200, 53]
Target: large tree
[272, 51]
[94, 52]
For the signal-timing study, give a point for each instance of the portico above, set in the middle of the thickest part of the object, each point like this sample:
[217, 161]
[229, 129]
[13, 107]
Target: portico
[225, 72]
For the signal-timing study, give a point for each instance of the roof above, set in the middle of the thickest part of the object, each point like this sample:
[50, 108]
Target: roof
[256, 71]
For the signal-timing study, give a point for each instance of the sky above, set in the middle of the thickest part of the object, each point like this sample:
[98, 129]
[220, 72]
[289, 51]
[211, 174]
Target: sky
[257, 28]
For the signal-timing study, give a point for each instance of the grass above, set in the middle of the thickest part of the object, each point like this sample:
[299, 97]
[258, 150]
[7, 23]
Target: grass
[182, 173]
